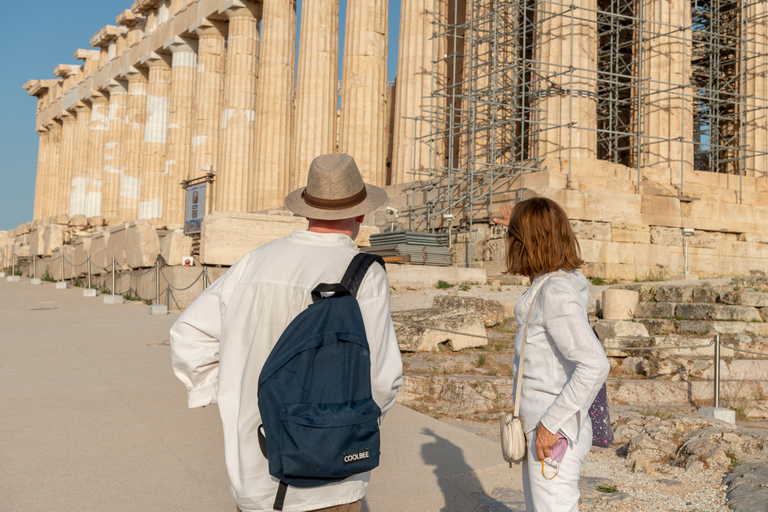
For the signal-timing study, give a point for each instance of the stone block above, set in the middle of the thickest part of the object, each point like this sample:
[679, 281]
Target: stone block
[705, 294]
[764, 314]
[590, 250]
[62, 219]
[424, 339]
[96, 221]
[55, 267]
[759, 238]
[142, 244]
[655, 310]
[620, 271]
[13, 279]
[718, 413]
[228, 236]
[158, 309]
[661, 235]
[621, 328]
[113, 299]
[99, 262]
[82, 251]
[636, 233]
[657, 326]
[116, 244]
[174, 246]
[35, 281]
[62, 285]
[79, 221]
[89, 292]
[702, 239]
[717, 312]
[37, 243]
[114, 221]
[588, 230]
[53, 237]
[619, 304]
[754, 299]
[421, 277]
[491, 311]
[668, 293]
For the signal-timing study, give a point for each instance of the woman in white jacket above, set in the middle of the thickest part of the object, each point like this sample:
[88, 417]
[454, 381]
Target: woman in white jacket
[565, 365]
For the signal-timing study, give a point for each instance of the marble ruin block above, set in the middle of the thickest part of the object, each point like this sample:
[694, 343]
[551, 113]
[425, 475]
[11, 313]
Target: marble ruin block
[67, 252]
[79, 221]
[53, 237]
[174, 246]
[82, 250]
[99, 262]
[228, 236]
[116, 245]
[36, 243]
[142, 244]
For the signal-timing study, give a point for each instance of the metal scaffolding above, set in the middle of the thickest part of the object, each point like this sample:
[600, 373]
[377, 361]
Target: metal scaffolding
[504, 101]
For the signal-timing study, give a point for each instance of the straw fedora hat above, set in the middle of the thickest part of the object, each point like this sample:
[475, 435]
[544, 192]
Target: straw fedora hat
[335, 190]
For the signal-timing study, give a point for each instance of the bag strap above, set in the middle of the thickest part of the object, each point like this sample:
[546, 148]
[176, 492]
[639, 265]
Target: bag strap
[357, 269]
[519, 376]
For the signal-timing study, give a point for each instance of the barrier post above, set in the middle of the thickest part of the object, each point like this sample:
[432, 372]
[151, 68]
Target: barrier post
[113, 275]
[113, 298]
[157, 281]
[156, 308]
[717, 370]
[34, 279]
[205, 278]
[88, 267]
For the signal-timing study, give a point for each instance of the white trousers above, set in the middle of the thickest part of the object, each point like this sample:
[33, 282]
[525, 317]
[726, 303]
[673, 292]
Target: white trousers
[561, 494]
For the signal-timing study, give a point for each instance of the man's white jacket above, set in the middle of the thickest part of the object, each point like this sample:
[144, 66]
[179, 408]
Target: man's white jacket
[222, 340]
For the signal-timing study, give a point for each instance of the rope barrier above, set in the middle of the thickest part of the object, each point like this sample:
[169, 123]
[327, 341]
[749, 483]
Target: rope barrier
[764, 354]
[180, 289]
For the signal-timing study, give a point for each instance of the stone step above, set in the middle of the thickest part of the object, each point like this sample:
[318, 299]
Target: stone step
[747, 291]
[701, 327]
[472, 395]
[685, 368]
[700, 311]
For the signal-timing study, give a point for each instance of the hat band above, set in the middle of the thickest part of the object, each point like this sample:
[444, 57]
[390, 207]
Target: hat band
[334, 204]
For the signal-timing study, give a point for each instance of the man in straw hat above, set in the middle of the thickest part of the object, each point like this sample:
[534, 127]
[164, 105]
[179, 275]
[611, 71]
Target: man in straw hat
[221, 341]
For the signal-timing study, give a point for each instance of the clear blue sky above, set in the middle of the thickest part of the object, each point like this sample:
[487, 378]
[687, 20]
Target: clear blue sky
[33, 43]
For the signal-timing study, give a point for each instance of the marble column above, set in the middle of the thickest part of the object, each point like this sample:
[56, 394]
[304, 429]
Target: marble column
[274, 105]
[155, 137]
[53, 170]
[209, 99]
[179, 148]
[316, 86]
[96, 143]
[756, 90]
[666, 69]
[364, 88]
[133, 136]
[40, 181]
[66, 163]
[238, 116]
[79, 191]
[114, 161]
[414, 87]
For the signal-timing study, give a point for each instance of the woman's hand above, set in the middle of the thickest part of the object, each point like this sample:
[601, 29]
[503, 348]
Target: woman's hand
[506, 212]
[545, 441]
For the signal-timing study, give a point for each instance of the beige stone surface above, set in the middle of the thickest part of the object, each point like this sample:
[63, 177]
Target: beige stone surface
[37, 243]
[424, 339]
[155, 137]
[53, 238]
[79, 185]
[142, 244]
[619, 304]
[174, 246]
[133, 132]
[116, 244]
[630, 233]
[78, 221]
[99, 262]
[81, 255]
[228, 236]
[364, 88]
[96, 144]
[316, 87]
[274, 106]
[238, 116]
[62, 260]
[114, 155]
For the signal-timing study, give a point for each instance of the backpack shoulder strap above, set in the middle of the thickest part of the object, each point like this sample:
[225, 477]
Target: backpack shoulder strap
[357, 269]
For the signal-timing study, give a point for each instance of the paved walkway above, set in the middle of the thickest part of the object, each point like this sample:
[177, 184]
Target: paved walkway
[93, 419]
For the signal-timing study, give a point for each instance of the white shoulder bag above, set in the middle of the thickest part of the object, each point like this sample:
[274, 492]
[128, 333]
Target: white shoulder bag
[513, 442]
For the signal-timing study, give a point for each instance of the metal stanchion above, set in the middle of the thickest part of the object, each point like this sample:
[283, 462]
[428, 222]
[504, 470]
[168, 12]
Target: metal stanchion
[62, 284]
[156, 308]
[205, 278]
[113, 298]
[13, 277]
[717, 371]
[88, 292]
[34, 279]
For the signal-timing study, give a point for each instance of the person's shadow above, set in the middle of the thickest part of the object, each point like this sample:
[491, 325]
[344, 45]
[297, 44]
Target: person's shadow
[450, 466]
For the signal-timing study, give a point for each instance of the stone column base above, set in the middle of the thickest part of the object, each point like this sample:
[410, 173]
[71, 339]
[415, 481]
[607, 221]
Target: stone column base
[719, 413]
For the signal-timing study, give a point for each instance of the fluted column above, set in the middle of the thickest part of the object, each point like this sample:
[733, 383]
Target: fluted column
[274, 104]
[66, 163]
[414, 87]
[77, 203]
[96, 142]
[209, 99]
[238, 116]
[40, 181]
[180, 116]
[155, 138]
[114, 156]
[52, 177]
[315, 130]
[756, 89]
[133, 130]
[364, 88]
[666, 69]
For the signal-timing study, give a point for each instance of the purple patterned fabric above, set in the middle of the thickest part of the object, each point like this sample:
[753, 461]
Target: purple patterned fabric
[602, 434]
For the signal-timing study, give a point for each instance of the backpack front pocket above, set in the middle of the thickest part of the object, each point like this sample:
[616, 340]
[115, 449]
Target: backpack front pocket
[329, 440]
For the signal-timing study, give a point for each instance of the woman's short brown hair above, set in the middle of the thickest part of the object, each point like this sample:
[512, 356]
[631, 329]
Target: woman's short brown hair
[540, 239]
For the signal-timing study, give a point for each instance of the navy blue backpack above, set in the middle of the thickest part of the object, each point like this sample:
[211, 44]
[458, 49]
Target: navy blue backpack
[320, 423]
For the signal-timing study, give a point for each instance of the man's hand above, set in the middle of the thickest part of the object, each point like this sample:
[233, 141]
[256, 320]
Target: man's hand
[545, 441]
[506, 212]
